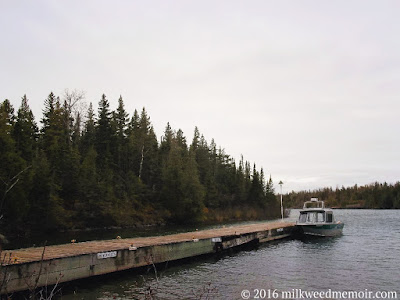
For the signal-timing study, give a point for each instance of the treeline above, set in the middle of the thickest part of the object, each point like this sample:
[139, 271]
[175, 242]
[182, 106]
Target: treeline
[110, 170]
[375, 195]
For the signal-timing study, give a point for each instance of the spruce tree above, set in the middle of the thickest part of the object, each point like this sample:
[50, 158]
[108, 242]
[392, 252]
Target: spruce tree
[46, 211]
[182, 192]
[104, 135]
[133, 144]
[172, 178]
[200, 148]
[240, 190]
[166, 141]
[48, 111]
[193, 191]
[256, 193]
[89, 209]
[121, 117]
[14, 172]
[121, 121]
[271, 200]
[196, 140]
[25, 131]
[89, 133]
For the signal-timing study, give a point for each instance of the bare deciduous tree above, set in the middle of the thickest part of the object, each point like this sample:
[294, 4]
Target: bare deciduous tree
[75, 106]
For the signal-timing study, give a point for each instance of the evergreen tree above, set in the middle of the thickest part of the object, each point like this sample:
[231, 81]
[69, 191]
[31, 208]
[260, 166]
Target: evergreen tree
[8, 155]
[48, 111]
[121, 121]
[181, 140]
[104, 135]
[88, 208]
[182, 191]
[68, 123]
[240, 190]
[193, 191]
[256, 193]
[63, 160]
[148, 148]
[271, 200]
[25, 131]
[14, 178]
[166, 142]
[105, 170]
[200, 147]
[212, 192]
[46, 211]
[196, 140]
[143, 148]
[89, 132]
[133, 144]
[77, 131]
[172, 177]
[53, 135]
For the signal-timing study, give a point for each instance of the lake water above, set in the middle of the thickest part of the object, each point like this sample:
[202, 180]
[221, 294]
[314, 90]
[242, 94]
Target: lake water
[365, 257]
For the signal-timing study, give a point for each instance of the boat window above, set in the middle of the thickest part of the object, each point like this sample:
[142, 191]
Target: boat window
[329, 217]
[320, 217]
[311, 217]
[303, 218]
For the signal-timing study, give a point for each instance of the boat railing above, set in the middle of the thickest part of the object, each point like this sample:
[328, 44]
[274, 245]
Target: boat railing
[314, 203]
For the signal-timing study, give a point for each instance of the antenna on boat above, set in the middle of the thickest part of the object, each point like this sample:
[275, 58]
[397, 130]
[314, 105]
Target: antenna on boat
[280, 183]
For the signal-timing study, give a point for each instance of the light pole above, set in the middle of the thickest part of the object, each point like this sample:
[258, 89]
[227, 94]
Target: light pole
[280, 183]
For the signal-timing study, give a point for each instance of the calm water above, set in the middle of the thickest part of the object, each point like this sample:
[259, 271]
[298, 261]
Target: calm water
[367, 256]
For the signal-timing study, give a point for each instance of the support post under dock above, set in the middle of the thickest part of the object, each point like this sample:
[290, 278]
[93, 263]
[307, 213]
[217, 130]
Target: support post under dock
[22, 268]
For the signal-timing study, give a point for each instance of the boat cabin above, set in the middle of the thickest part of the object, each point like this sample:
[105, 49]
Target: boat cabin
[316, 216]
[314, 212]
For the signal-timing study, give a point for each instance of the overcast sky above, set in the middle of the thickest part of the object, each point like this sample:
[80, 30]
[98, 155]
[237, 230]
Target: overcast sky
[308, 90]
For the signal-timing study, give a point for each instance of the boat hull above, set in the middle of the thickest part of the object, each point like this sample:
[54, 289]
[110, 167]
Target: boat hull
[323, 230]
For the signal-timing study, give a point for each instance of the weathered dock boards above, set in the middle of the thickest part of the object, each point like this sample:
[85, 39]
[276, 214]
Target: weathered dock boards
[22, 268]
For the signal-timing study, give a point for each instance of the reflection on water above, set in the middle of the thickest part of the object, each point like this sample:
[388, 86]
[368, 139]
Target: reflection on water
[365, 257]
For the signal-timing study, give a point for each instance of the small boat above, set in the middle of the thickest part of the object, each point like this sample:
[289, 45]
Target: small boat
[316, 220]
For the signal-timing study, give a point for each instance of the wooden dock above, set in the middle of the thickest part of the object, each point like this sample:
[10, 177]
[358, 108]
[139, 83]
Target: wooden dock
[23, 269]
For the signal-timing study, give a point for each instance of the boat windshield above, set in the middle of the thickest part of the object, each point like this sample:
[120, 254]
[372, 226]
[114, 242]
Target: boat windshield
[303, 218]
[312, 217]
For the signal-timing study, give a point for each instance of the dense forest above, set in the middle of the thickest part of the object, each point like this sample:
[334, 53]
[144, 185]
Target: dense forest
[375, 195]
[78, 169]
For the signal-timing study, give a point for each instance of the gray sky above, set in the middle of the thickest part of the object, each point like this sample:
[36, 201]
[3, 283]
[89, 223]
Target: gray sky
[309, 90]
